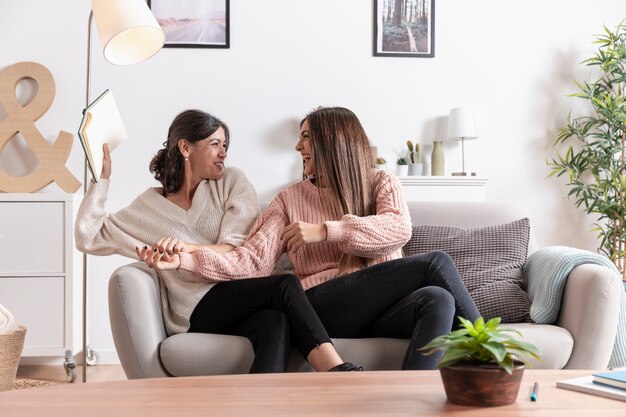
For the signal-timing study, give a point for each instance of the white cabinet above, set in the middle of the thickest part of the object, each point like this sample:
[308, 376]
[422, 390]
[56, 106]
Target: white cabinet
[444, 188]
[36, 268]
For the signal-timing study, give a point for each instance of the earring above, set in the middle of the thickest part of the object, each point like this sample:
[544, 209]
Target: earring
[186, 158]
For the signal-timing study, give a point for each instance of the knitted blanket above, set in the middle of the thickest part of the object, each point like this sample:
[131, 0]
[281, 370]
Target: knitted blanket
[547, 270]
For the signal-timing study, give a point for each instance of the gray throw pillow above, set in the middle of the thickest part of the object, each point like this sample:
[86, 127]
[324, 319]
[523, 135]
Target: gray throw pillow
[489, 260]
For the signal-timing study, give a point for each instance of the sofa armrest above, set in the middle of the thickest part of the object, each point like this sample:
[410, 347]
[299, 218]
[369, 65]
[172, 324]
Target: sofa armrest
[590, 312]
[136, 320]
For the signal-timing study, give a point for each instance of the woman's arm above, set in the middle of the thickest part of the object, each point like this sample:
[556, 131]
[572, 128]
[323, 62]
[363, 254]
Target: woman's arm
[94, 232]
[381, 234]
[255, 258]
[173, 246]
[241, 209]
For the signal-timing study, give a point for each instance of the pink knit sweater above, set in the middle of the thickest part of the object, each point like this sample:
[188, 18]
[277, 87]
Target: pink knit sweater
[380, 236]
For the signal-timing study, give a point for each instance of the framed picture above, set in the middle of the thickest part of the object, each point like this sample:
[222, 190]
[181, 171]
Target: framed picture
[404, 28]
[193, 23]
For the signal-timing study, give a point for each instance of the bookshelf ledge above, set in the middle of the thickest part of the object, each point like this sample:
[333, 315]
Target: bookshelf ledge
[444, 188]
[452, 181]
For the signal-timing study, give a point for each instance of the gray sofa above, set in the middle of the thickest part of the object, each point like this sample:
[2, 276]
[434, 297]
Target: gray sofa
[582, 337]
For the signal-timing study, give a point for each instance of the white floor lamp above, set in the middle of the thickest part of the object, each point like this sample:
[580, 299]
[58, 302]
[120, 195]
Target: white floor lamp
[129, 34]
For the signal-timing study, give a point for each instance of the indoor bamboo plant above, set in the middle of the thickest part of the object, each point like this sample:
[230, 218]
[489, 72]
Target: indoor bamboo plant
[482, 363]
[594, 158]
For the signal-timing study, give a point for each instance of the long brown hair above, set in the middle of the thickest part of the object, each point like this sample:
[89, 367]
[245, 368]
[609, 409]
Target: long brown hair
[343, 161]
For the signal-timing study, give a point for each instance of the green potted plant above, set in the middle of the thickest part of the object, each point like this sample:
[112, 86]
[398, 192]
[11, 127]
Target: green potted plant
[402, 167]
[482, 363]
[381, 163]
[594, 160]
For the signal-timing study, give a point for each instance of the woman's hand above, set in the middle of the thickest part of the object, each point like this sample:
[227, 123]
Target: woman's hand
[172, 246]
[106, 163]
[299, 234]
[156, 259]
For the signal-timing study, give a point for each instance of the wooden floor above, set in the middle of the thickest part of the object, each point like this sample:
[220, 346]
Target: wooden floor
[56, 374]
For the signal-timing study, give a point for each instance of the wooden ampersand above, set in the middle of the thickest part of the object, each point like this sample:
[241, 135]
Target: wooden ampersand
[51, 156]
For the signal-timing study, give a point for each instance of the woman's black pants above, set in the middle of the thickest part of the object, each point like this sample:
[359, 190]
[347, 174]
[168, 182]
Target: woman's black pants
[268, 311]
[416, 298]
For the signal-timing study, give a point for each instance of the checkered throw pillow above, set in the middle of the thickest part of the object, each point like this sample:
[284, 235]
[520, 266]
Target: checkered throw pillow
[489, 260]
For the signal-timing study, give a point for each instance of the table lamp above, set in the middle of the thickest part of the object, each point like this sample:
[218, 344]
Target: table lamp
[129, 34]
[461, 126]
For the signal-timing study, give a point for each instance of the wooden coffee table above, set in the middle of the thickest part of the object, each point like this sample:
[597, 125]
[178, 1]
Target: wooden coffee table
[381, 394]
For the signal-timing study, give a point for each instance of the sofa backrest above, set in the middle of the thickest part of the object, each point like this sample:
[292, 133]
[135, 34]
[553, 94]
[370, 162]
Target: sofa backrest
[463, 214]
[466, 215]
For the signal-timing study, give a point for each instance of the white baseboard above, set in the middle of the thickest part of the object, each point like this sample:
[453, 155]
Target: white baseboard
[106, 357]
[42, 360]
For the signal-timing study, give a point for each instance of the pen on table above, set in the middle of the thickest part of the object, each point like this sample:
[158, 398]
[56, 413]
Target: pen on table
[533, 396]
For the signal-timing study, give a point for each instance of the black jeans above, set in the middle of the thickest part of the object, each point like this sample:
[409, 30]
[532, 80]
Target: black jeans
[266, 311]
[416, 297]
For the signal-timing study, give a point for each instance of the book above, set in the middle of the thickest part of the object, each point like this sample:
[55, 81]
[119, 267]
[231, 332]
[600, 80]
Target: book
[585, 384]
[614, 378]
[101, 123]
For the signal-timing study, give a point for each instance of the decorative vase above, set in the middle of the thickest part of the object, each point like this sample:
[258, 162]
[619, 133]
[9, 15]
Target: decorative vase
[416, 168]
[402, 170]
[436, 159]
[481, 385]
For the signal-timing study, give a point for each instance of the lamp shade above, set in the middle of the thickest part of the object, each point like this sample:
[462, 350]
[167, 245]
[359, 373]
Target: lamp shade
[128, 30]
[461, 124]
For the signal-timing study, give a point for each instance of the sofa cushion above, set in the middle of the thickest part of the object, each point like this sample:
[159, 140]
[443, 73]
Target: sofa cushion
[194, 354]
[489, 260]
[555, 343]
[373, 354]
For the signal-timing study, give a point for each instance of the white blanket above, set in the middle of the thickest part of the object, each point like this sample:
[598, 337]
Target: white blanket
[7, 322]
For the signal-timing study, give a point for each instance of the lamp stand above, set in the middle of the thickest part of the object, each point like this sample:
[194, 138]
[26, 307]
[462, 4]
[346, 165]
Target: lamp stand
[85, 182]
[130, 34]
[463, 173]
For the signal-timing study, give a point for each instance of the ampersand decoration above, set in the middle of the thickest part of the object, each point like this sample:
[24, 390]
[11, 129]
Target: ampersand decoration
[21, 119]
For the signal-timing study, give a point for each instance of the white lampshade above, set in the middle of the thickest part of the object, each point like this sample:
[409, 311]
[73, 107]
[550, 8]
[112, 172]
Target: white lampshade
[128, 30]
[461, 124]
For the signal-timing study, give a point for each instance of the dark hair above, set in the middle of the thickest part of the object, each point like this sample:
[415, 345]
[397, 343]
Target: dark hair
[192, 125]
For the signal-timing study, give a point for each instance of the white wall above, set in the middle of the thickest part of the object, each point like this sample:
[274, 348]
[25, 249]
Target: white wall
[514, 61]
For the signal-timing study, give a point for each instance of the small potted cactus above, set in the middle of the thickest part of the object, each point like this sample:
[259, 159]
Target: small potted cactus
[402, 167]
[415, 157]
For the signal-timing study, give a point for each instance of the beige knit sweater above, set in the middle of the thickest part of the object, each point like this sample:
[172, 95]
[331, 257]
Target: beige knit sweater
[379, 237]
[222, 212]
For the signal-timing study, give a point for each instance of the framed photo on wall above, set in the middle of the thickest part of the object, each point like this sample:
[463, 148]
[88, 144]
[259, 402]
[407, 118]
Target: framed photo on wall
[404, 28]
[193, 23]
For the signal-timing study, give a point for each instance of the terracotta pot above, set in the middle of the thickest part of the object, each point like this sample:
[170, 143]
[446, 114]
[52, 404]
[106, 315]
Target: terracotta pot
[481, 385]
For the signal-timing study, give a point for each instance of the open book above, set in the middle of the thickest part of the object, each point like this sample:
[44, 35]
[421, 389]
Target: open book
[101, 124]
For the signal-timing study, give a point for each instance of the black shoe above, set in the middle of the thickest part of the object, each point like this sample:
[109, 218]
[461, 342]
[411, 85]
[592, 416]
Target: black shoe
[346, 367]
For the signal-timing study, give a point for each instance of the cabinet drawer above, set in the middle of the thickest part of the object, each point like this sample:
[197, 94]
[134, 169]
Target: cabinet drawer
[38, 304]
[32, 237]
